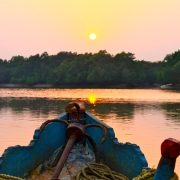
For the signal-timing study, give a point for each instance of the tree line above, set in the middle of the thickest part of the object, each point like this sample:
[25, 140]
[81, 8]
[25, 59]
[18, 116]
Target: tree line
[99, 68]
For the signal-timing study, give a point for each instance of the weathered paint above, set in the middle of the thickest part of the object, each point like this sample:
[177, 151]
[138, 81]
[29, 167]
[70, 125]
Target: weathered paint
[124, 158]
[170, 150]
[79, 158]
[165, 169]
[18, 160]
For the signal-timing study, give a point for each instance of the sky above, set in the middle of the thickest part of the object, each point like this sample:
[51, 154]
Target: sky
[150, 29]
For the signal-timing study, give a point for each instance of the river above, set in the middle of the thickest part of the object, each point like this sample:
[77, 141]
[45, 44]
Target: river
[145, 117]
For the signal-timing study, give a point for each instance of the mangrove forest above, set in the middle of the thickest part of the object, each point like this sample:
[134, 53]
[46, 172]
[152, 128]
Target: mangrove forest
[99, 69]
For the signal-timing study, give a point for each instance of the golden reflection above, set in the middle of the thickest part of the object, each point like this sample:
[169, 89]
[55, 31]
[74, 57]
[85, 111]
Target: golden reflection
[92, 98]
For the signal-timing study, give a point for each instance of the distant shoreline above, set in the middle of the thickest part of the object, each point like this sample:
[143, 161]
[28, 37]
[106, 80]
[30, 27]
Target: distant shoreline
[118, 86]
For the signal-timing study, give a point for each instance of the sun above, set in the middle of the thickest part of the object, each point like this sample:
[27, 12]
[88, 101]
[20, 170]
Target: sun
[92, 36]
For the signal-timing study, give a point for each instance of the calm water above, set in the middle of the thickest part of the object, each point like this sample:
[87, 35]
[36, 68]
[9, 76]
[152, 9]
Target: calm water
[142, 116]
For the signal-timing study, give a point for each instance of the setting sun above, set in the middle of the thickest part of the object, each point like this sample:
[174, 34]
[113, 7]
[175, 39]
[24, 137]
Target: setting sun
[92, 36]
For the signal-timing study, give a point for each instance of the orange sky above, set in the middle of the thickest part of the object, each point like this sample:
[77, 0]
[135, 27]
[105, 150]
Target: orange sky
[148, 28]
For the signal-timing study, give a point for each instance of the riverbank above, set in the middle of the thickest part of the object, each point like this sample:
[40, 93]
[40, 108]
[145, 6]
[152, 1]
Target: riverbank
[118, 86]
[13, 85]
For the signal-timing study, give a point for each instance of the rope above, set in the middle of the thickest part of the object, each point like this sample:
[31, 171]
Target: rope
[98, 171]
[149, 175]
[8, 177]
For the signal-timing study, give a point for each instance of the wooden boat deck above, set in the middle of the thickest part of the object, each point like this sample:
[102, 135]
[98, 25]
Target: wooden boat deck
[79, 158]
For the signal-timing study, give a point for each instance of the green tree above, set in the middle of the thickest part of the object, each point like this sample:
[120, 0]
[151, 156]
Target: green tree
[176, 73]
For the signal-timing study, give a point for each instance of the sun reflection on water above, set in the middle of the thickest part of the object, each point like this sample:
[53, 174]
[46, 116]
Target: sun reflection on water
[92, 98]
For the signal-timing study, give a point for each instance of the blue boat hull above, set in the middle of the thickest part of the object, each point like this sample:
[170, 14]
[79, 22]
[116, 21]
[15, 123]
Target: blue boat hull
[124, 158]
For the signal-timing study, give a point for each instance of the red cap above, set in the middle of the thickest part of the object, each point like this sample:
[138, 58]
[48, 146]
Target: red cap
[170, 148]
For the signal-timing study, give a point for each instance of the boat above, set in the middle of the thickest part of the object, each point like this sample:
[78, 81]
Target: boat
[170, 86]
[77, 134]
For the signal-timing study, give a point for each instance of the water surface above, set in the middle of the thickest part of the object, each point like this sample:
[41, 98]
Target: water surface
[142, 116]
